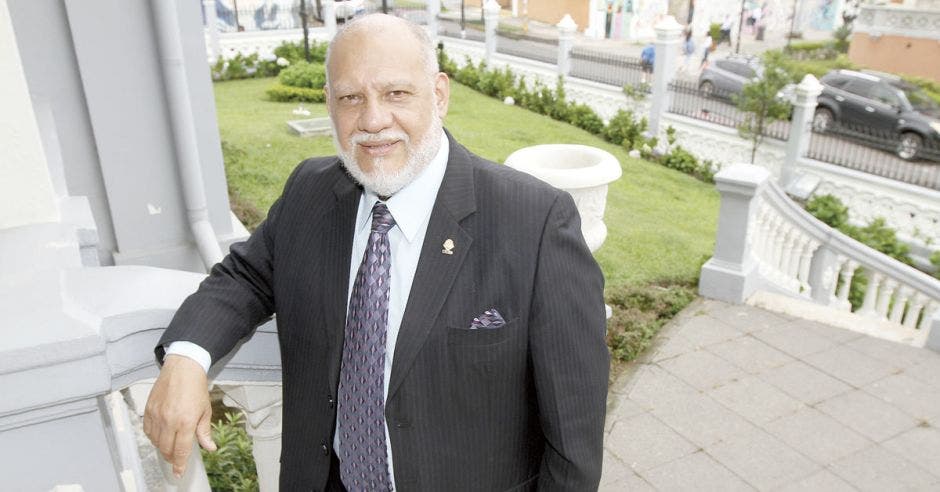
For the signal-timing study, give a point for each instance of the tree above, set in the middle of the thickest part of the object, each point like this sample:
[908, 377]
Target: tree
[760, 102]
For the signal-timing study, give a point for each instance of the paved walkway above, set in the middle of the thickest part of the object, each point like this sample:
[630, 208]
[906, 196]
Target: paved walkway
[738, 398]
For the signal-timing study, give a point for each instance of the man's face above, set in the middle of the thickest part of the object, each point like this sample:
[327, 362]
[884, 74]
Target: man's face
[385, 106]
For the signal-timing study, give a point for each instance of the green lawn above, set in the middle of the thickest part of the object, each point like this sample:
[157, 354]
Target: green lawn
[661, 223]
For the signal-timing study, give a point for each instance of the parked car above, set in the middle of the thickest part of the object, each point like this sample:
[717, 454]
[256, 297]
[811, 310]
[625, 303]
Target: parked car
[727, 77]
[880, 104]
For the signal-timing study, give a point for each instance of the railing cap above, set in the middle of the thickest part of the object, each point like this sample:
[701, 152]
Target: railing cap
[668, 29]
[741, 178]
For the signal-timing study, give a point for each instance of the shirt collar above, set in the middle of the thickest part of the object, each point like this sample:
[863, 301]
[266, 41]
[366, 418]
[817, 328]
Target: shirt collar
[411, 206]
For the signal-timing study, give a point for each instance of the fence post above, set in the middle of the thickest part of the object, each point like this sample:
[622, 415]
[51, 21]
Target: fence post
[329, 17]
[730, 275]
[490, 20]
[800, 127]
[212, 27]
[566, 29]
[434, 8]
[668, 32]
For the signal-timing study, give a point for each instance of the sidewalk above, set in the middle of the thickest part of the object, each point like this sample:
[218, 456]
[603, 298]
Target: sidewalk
[738, 398]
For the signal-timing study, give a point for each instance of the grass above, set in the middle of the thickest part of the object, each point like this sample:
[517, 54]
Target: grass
[661, 223]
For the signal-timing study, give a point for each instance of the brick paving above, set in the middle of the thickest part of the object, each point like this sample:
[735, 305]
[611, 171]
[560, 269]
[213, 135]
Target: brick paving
[738, 398]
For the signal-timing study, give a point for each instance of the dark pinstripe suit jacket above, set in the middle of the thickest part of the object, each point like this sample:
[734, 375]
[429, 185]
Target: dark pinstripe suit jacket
[515, 408]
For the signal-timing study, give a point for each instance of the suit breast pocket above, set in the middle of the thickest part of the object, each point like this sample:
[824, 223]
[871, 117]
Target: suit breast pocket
[481, 337]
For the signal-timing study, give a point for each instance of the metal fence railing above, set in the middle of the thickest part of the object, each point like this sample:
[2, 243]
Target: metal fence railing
[876, 152]
[414, 10]
[606, 68]
[716, 107]
[451, 29]
[527, 46]
[285, 14]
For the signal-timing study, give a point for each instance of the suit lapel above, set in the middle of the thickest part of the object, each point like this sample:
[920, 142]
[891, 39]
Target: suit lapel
[436, 270]
[336, 268]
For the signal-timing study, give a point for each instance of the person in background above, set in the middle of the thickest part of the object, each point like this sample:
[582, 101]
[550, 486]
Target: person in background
[647, 59]
[707, 47]
[727, 26]
[688, 49]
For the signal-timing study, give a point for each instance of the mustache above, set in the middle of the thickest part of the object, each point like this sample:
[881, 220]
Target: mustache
[382, 136]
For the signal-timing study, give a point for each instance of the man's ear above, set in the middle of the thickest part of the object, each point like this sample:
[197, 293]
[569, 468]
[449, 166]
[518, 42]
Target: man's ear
[442, 93]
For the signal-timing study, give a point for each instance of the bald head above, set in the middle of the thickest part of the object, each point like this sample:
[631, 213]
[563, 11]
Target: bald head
[377, 30]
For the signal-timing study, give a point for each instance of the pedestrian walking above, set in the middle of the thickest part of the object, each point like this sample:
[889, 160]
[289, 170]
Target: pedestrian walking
[707, 47]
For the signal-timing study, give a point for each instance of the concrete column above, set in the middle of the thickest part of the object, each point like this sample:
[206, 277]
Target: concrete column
[262, 406]
[566, 30]
[668, 34]
[490, 20]
[800, 126]
[730, 275]
[515, 8]
[433, 8]
[329, 17]
[212, 28]
[26, 192]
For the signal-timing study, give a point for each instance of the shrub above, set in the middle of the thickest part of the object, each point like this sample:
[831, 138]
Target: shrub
[231, 467]
[625, 129]
[294, 52]
[829, 209]
[286, 93]
[583, 117]
[714, 30]
[303, 74]
[497, 83]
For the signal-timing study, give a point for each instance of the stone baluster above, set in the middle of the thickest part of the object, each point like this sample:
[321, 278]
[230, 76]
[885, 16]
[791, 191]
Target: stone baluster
[913, 312]
[566, 30]
[884, 297]
[931, 326]
[900, 302]
[780, 239]
[490, 21]
[261, 404]
[823, 276]
[871, 295]
[806, 260]
[846, 275]
[761, 232]
[791, 257]
[929, 311]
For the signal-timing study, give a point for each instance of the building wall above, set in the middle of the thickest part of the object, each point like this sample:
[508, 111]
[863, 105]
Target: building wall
[897, 54]
[26, 193]
[111, 125]
[551, 11]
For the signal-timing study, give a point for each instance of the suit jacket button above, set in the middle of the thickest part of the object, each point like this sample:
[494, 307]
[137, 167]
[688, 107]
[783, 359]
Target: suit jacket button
[329, 400]
[324, 449]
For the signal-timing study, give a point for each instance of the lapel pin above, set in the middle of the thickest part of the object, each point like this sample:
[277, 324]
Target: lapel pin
[448, 247]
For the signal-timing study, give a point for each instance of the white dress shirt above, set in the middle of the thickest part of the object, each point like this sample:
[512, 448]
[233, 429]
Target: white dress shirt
[411, 208]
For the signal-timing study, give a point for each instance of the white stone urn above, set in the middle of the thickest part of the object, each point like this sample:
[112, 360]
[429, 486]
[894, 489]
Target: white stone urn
[582, 171]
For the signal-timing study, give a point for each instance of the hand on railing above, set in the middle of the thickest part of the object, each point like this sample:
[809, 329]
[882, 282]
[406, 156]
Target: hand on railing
[178, 408]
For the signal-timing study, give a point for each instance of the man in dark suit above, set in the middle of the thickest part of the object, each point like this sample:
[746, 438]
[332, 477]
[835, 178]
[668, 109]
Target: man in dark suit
[457, 343]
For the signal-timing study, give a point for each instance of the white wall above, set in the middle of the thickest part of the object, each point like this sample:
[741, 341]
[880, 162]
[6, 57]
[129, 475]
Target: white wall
[26, 193]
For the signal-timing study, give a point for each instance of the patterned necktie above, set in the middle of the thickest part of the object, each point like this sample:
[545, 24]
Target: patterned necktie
[361, 405]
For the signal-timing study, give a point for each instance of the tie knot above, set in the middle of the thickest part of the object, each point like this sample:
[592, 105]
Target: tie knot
[382, 219]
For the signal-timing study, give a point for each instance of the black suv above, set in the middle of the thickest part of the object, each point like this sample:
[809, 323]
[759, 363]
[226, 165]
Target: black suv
[883, 107]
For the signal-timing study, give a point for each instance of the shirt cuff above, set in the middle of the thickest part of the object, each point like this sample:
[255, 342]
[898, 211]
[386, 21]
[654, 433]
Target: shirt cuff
[191, 350]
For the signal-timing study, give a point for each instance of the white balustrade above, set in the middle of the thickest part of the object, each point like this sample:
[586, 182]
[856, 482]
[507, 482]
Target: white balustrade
[799, 256]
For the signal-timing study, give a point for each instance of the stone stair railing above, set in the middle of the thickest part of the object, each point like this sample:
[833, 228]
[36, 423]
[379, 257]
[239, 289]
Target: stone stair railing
[768, 243]
[76, 368]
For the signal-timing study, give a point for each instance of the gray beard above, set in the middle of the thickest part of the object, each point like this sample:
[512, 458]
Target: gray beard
[382, 181]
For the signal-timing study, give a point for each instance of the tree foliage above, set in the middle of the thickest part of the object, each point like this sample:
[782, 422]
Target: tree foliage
[759, 100]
